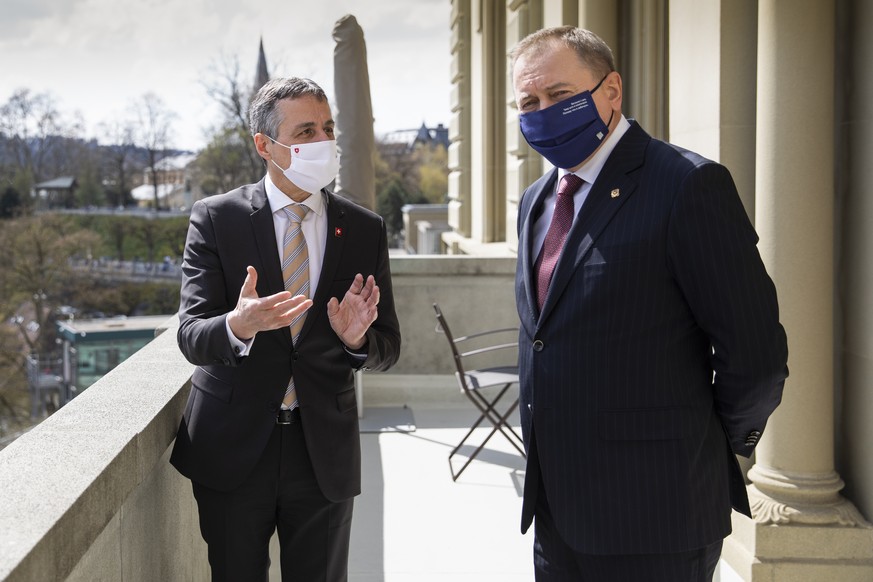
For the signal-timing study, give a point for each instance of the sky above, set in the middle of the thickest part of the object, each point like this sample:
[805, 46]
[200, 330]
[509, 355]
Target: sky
[96, 57]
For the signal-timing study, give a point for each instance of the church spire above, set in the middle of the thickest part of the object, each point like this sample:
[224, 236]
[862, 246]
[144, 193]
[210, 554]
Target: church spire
[262, 75]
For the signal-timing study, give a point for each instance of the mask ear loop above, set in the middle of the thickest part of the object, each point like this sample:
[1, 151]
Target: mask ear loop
[596, 87]
[291, 162]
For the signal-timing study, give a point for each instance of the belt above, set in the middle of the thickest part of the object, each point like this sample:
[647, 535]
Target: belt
[288, 416]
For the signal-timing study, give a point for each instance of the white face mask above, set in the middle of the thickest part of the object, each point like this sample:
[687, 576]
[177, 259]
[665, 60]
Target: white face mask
[313, 166]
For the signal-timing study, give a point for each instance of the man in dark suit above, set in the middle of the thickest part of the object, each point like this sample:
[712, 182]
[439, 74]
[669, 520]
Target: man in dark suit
[286, 292]
[650, 348]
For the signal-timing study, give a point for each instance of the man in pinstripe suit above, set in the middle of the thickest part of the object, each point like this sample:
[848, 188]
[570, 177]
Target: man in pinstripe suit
[650, 349]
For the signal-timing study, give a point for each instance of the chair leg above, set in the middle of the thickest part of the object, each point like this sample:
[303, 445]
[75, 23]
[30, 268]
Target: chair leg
[488, 410]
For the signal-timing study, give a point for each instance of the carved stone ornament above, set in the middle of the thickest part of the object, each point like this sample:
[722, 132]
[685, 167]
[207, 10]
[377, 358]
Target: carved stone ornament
[810, 499]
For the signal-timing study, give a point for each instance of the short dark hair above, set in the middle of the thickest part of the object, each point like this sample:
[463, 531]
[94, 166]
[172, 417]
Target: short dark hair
[591, 49]
[263, 116]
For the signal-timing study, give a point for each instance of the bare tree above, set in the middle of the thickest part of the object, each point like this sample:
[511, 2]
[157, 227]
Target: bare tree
[231, 138]
[34, 131]
[153, 132]
[223, 85]
[120, 133]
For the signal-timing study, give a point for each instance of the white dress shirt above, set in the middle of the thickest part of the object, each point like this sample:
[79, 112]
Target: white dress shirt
[314, 227]
[588, 172]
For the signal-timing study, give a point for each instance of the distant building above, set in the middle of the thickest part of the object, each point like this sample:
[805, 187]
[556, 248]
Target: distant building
[56, 193]
[406, 140]
[176, 189]
[93, 347]
[262, 75]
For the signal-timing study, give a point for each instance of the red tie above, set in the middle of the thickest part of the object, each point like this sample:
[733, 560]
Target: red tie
[562, 219]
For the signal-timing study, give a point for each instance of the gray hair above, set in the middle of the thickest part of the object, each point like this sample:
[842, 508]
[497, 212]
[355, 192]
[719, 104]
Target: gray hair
[594, 53]
[263, 116]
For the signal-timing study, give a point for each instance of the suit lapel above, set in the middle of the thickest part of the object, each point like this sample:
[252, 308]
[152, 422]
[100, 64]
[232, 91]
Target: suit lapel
[614, 187]
[270, 276]
[265, 238]
[525, 242]
[333, 252]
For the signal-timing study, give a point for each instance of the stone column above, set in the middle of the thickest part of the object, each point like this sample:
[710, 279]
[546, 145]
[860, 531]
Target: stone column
[819, 534]
[523, 164]
[460, 134]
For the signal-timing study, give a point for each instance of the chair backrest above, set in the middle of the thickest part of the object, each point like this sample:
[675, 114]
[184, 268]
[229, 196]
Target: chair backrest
[458, 355]
[444, 327]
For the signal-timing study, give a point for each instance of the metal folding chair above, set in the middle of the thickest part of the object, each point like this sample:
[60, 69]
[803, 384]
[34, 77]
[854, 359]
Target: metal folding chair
[473, 381]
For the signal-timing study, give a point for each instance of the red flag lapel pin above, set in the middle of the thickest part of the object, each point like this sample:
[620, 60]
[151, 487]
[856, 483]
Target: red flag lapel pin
[338, 232]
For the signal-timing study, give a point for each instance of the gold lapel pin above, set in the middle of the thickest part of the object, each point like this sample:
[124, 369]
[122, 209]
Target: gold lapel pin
[615, 193]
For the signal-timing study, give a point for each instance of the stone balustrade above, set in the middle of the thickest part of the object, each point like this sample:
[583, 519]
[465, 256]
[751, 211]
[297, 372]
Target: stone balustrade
[89, 494]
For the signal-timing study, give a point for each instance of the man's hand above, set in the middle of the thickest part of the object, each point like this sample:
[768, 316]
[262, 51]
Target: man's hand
[253, 314]
[351, 318]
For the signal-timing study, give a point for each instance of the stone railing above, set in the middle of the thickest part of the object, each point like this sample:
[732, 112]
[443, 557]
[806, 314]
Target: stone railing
[89, 493]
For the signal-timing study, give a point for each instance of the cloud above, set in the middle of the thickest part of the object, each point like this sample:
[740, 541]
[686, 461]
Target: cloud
[97, 56]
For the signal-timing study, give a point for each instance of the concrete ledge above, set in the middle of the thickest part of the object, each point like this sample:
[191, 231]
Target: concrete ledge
[798, 553]
[68, 479]
[414, 390]
[474, 293]
[89, 494]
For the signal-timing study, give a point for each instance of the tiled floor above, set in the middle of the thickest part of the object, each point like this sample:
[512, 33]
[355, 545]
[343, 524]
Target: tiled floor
[414, 524]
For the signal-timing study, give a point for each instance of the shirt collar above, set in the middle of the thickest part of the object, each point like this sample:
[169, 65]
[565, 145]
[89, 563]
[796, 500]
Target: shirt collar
[591, 169]
[279, 200]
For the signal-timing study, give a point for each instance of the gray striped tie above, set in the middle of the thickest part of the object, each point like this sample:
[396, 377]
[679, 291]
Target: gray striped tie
[295, 272]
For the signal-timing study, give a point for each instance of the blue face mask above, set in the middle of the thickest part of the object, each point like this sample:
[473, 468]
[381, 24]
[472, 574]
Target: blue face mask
[568, 132]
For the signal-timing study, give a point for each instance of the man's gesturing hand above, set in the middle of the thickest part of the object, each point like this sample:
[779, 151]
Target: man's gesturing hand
[253, 314]
[351, 317]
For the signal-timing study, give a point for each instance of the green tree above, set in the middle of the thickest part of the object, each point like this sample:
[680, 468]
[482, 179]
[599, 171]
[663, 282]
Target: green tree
[147, 231]
[34, 268]
[225, 162]
[172, 235]
[10, 203]
[389, 204]
[433, 172]
[90, 191]
[13, 383]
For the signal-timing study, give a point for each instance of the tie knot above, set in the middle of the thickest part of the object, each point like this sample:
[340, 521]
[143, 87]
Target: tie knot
[296, 212]
[569, 184]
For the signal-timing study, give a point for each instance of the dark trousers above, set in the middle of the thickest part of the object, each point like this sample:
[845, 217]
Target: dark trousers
[280, 494]
[555, 561]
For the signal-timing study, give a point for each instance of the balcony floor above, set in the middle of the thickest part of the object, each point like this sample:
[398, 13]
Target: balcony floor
[412, 523]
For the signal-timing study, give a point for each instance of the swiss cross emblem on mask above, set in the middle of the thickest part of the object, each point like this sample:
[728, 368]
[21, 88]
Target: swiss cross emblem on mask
[296, 150]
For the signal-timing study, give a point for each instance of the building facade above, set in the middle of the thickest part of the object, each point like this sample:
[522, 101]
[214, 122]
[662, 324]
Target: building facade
[779, 92]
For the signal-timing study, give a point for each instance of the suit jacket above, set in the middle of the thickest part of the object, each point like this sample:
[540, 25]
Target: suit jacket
[657, 356]
[232, 406]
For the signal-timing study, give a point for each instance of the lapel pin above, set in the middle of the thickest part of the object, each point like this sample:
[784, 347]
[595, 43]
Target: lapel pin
[338, 232]
[615, 193]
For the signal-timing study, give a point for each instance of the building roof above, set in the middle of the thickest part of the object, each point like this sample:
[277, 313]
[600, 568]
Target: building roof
[62, 183]
[147, 191]
[178, 162]
[424, 134]
[262, 75]
[113, 328]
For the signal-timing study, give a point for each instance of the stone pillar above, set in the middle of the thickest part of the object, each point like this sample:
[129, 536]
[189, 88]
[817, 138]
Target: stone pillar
[523, 164]
[803, 530]
[460, 169]
[642, 62]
